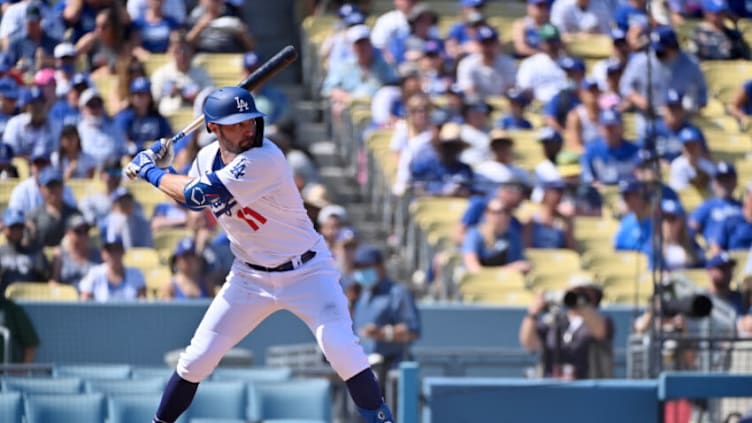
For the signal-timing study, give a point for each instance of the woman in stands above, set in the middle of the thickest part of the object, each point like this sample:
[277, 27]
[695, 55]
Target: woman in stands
[109, 43]
[680, 249]
[75, 257]
[188, 269]
[548, 227]
[494, 242]
[70, 158]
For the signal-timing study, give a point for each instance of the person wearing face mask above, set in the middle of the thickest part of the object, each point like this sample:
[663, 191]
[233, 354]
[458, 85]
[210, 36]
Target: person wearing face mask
[385, 315]
[100, 136]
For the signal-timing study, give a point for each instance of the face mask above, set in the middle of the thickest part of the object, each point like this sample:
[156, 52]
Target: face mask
[67, 68]
[366, 278]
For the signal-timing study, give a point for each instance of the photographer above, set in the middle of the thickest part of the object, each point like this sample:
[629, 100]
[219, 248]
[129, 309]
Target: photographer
[576, 339]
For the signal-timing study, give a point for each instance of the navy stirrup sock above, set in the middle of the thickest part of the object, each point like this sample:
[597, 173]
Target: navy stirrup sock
[177, 396]
[364, 390]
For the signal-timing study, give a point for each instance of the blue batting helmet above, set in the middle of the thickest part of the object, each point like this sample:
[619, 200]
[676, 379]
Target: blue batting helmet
[230, 105]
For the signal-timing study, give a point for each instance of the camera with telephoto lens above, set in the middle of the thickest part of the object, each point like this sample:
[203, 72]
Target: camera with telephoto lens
[674, 301]
[571, 298]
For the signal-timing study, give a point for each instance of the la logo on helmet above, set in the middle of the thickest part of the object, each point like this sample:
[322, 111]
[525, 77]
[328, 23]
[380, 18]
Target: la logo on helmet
[241, 104]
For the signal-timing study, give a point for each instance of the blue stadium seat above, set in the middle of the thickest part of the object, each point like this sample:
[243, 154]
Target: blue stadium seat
[293, 421]
[211, 420]
[219, 399]
[133, 408]
[83, 408]
[94, 371]
[253, 374]
[30, 385]
[149, 372]
[11, 407]
[295, 399]
[124, 386]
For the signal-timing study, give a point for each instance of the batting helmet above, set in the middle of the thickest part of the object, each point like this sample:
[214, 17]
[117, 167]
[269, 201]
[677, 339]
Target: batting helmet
[230, 105]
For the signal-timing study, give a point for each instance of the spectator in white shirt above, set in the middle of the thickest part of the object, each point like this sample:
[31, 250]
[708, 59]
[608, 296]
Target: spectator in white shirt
[692, 167]
[100, 137]
[499, 163]
[619, 55]
[27, 194]
[578, 17]
[488, 72]
[112, 280]
[541, 73]
[475, 114]
[392, 24]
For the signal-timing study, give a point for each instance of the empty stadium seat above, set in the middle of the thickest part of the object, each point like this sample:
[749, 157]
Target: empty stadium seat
[83, 408]
[254, 374]
[11, 407]
[41, 291]
[133, 408]
[125, 386]
[30, 385]
[94, 371]
[223, 399]
[156, 278]
[298, 399]
[558, 261]
[141, 257]
[148, 372]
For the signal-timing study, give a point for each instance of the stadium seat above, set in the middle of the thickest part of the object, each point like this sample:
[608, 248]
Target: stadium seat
[149, 372]
[133, 408]
[125, 386]
[143, 258]
[699, 277]
[212, 420]
[84, 187]
[223, 399]
[595, 46]
[22, 166]
[156, 278]
[94, 371]
[11, 407]
[254, 374]
[512, 297]
[557, 261]
[83, 408]
[493, 279]
[40, 291]
[298, 399]
[168, 238]
[30, 385]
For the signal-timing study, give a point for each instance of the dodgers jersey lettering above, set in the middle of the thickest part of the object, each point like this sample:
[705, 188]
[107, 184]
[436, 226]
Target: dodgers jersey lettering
[264, 219]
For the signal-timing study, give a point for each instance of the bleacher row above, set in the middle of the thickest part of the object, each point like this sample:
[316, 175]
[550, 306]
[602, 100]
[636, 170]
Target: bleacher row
[125, 394]
[425, 226]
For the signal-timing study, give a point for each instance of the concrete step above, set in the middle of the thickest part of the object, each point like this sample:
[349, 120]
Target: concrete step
[311, 132]
[325, 153]
[308, 111]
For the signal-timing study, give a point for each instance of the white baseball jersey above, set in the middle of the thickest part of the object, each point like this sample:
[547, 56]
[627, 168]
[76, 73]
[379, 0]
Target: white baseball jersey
[265, 219]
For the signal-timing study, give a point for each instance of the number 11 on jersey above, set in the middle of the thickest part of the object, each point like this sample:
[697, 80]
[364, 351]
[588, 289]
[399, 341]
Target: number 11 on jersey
[251, 217]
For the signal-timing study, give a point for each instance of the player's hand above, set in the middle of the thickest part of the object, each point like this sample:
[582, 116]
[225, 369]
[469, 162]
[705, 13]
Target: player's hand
[164, 154]
[140, 164]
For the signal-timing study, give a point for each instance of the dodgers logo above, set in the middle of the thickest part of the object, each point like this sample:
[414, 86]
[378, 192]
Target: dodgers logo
[238, 170]
[241, 104]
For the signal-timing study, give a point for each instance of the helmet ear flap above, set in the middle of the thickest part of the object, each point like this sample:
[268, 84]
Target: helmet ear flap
[259, 137]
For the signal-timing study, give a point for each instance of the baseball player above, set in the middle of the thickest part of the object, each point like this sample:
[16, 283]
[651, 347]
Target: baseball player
[281, 262]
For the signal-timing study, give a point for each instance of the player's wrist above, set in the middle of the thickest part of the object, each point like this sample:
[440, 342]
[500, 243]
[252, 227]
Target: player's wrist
[154, 175]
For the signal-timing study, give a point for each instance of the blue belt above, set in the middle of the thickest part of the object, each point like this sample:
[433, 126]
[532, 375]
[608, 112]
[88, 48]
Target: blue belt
[286, 267]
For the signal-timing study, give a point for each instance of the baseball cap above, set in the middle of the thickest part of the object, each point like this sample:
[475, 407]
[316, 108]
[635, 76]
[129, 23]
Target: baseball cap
[354, 18]
[421, 9]
[33, 12]
[646, 157]
[663, 37]
[6, 153]
[64, 50]
[346, 236]
[346, 9]
[316, 195]
[250, 59]
[44, 76]
[673, 207]
[76, 221]
[119, 193]
[557, 184]
[432, 47]
[724, 168]
[13, 217]
[548, 134]
[367, 255]
[50, 175]
[473, 3]
[536, 1]
[618, 34]
[451, 132]
[517, 95]
[572, 64]
[357, 33]
[499, 135]
[110, 240]
[332, 210]
[714, 6]
[476, 104]
[31, 95]
[720, 260]
[87, 96]
[589, 84]
[80, 79]
[184, 246]
[568, 164]
[439, 116]
[609, 117]
[548, 32]
[690, 134]
[9, 88]
[140, 85]
[673, 98]
[627, 186]
[475, 18]
[486, 33]
[613, 66]
[40, 153]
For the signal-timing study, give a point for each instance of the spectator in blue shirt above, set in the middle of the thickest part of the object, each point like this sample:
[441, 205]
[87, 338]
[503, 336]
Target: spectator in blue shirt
[674, 120]
[26, 45]
[741, 105]
[141, 121]
[721, 272]
[510, 191]
[515, 118]
[525, 39]
[711, 214]
[31, 130]
[112, 280]
[636, 228]
[680, 249]
[610, 158]
[461, 36]
[647, 173]
[494, 242]
[385, 315]
[443, 174]
[631, 14]
[735, 233]
[556, 110]
[65, 111]
[154, 27]
[548, 227]
[100, 136]
[9, 92]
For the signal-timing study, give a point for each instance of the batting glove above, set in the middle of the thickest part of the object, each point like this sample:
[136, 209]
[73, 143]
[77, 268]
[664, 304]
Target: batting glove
[164, 154]
[144, 166]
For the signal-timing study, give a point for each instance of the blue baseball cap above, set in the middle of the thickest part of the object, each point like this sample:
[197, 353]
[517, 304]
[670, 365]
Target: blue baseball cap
[49, 175]
[6, 153]
[673, 98]
[609, 117]
[663, 37]
[140, 85]
[9, 88]
[346, 235]
[473, 3]
[722, 259]
[517, 95]
[618, 34]
[589, 84]
[39, 152]
[613, 66]
[556, 184]
[572, 64]
[548, 134]
[627, 186]
[432, 47]
[672, 207]
[5, 62]
[13, 217]
[724, 169]
[185, 246]
[690, 134]
[80, 80]
[354, 18]
[119, 193]
[367, 255]
[486, 33]
[346, 9]
[715, 6]
[537, 1]
[646, 156]
[31, 95]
